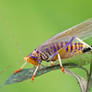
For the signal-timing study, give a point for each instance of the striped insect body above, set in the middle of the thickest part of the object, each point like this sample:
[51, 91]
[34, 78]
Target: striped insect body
[44, 54]
[62, 46]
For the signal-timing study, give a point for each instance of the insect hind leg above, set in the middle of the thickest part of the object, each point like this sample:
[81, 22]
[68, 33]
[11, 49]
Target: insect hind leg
[60, 62]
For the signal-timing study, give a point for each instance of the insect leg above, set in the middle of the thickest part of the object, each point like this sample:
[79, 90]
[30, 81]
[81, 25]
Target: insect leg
[20, 68]
[83, 42]
[36, 70]
[60, 62]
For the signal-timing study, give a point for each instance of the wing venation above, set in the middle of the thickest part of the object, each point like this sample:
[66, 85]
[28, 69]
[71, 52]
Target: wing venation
[82, 30]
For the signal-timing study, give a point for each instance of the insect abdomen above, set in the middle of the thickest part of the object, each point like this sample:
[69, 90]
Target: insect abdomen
[75, 47]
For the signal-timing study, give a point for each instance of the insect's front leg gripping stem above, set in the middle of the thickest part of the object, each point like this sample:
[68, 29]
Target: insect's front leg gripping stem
[36, 70]
[20, 68]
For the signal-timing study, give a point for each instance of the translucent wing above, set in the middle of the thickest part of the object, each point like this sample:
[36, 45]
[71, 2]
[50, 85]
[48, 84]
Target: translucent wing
[82, 30]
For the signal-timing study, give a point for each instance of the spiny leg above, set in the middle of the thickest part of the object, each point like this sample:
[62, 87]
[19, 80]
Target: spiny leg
[20, 68]
[60, 62]
[36, 70]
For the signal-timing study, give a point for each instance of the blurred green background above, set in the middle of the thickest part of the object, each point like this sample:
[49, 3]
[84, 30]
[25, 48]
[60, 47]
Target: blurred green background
[24, 25]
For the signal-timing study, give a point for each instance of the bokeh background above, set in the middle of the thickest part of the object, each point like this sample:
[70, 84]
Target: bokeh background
[24, 25]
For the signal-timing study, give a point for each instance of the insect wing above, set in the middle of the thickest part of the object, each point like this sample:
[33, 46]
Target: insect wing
[82, 31]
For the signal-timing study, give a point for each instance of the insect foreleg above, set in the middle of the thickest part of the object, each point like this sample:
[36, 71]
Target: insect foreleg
[60, 62]
[36, 70]
[83, 42]
[21, 68]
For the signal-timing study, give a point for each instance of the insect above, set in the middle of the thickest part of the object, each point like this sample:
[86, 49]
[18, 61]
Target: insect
[63, 45]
